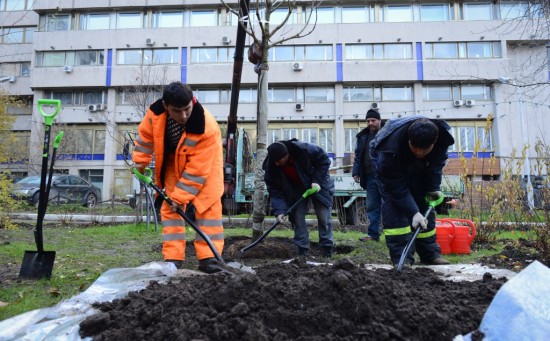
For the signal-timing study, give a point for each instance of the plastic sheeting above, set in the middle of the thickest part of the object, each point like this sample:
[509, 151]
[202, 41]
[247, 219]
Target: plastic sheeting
[61, 322]
[520, 309]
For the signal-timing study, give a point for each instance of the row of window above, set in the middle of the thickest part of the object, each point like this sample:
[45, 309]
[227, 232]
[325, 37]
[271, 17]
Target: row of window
[288, 95]
[459, 50]
[15, 5]
[468, 138]
[407, 12]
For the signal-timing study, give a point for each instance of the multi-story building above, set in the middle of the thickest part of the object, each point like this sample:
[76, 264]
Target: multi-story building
[463, 61]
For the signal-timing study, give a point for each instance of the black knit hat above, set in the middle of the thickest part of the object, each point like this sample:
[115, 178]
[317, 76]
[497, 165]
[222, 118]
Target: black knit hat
[276, 151]
[372, 114]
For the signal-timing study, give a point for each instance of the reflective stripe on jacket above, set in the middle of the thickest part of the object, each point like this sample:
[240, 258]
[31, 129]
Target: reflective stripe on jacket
[199, 155]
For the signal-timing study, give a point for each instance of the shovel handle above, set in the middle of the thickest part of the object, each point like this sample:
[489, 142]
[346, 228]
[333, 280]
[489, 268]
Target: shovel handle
[49, 117]
[58, 139]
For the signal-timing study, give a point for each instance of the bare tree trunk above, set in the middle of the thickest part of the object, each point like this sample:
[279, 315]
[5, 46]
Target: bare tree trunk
[258, 213]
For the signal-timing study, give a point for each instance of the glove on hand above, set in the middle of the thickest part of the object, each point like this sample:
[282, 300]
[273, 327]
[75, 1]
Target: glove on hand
[281, 218]
[419, 221]
[433, 196]
[316, 185]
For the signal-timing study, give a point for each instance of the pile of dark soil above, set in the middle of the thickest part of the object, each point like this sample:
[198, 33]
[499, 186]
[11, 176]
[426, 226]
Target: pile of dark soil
[298, 301]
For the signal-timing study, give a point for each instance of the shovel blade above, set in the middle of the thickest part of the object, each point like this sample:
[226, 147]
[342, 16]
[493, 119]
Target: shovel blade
[37, 265]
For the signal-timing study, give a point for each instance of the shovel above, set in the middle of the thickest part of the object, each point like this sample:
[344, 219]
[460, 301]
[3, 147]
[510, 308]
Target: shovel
[39, 264]
[50, 175]
[304, 196]
[432, 205]
[146, 178]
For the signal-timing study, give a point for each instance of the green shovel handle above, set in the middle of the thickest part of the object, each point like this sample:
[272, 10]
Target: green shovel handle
[310, 192]
[145, 177]
[434, 203]
[58, 139]
[49, 117]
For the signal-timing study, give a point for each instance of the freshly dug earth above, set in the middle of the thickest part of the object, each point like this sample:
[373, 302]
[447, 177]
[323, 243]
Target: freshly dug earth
[298, 301]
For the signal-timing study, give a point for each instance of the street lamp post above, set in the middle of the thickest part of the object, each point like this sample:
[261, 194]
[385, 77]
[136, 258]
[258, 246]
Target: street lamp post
[526, 161]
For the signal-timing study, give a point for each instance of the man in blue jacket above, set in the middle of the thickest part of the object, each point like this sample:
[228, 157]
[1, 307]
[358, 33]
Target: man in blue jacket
[291, 168]
[409, 155]
[363, 173]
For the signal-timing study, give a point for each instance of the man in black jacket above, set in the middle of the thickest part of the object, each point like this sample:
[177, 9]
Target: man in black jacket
[363, 172]
[291, 168]
[409, 155]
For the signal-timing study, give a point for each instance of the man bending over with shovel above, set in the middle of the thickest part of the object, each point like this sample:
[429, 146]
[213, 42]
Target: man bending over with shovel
[186, 141]
[292, 167]
[409, 155]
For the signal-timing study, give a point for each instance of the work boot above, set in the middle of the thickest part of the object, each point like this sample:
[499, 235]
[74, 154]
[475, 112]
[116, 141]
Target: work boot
[439, 261]
[209, 265]
[327, 252]
[177, 263]
[302, 252]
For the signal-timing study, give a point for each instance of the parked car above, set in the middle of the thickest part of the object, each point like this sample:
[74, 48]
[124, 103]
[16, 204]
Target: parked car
[64, 189]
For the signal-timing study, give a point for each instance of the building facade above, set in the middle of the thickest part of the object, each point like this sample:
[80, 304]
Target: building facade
[471, 63]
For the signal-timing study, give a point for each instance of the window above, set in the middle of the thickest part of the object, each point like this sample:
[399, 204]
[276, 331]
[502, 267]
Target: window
[83, 141]
[273, 135]
[398, 13]
[300, 53]
[463, 50]
[95, 176]
[436, 92]
[211, 55]
[279, 15]
[319, 94]
[60, 58]
[130, 96]
[281, 95]
[248, 95]
[324, 15]
[147, 56]
[325, 139]
[123, 183]
[129, 20]
[25, 68]
[475, 91]
[434, 12]
[94, 21]
[352, 15]
[350, 139]
[478, 11]
[78, 97]
[309, 135]
[378, 51]
[207, 95]
[16, 35]
[513, 10]
[358, 94]
[56, 22]
[15, 5]
[397, 93]
[472, 136]
[168, 19]
[290, 133]
[203, 18]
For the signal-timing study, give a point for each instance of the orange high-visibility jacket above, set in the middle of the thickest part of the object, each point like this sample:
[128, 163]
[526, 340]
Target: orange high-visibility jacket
[199, 155]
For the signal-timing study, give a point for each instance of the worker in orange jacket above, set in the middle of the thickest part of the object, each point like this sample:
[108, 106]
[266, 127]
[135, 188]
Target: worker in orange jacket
[185, 140]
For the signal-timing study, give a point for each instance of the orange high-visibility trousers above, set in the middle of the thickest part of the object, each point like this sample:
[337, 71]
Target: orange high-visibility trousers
[173, 225]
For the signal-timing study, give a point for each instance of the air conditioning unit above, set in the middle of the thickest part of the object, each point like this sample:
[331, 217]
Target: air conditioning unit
[149, 42]
[297, 66]
[226, 40]
[470, 103]
[375, 105]
[11, 79]
[92, 107]
[458, 103]
[299, 107]
[68, 68]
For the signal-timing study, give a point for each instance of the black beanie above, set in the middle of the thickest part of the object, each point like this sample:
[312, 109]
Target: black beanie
[372, 114]
[276, 151]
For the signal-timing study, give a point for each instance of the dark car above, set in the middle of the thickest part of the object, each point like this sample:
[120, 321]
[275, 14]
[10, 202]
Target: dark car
[64, 189]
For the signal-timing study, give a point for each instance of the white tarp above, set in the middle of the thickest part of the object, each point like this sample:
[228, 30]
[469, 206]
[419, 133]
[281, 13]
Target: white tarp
[61, 322]
[520, 309]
